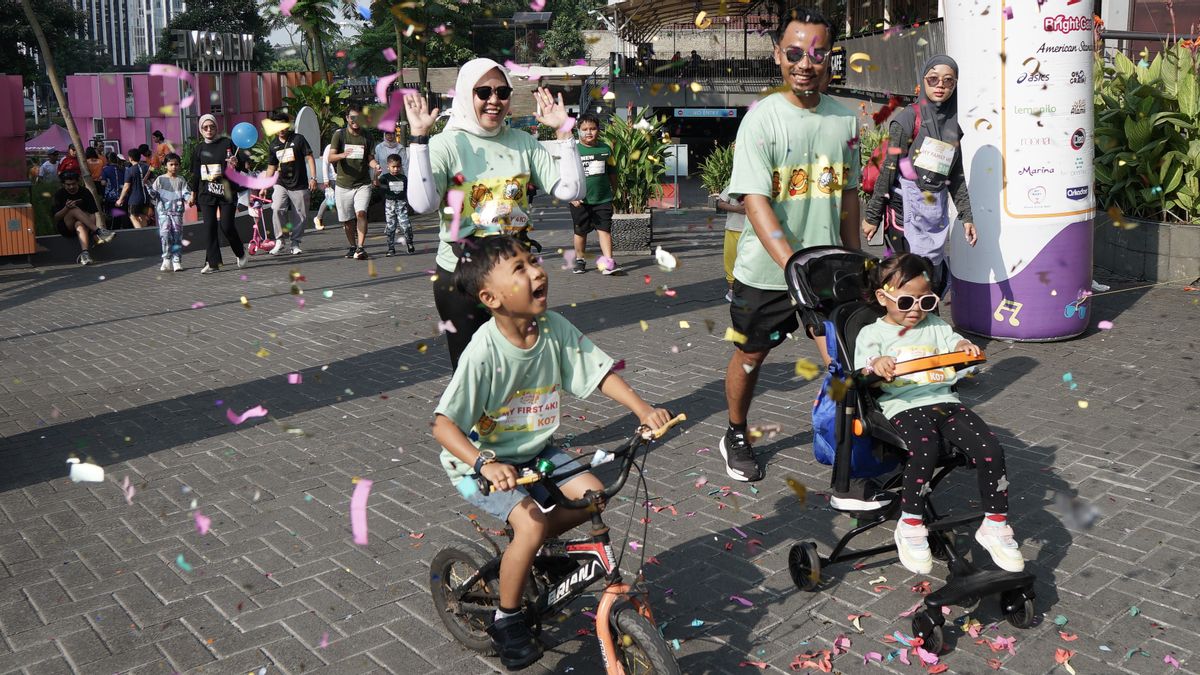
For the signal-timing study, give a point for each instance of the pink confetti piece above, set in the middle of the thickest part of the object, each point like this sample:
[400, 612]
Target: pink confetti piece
[581, 62]
[516, 68]
[906, 169]
[295, 378]
[841, 645]
[392, 117]
[1105, 325]
[167, 70]
[741, 601]
[384, 82]
[910, 611]
[285, 7]
[256, 411]
[904, 657]
[358, 511]
[635, 545]
[927, 656]
[203, 522]
[389, 54]
[537, 5]
[446, 327]
[606, 263]
[441, 30]
[324, 640]
[872, 656]
[739, 532]
[251, 182]
[454, 199]
[1008, 13]
[619, 366]
[129, 490]
[568, 125]
[1170, 660]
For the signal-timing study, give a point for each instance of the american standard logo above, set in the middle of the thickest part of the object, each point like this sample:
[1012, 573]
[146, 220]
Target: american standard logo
[1066, 24]
[1079, 107]
[1035, 170]
[1077, 193]
[1034, 109]
[1078, 139]
[1048, 48]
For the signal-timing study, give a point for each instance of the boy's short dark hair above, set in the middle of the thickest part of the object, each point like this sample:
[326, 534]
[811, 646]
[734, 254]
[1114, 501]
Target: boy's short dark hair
[802, 14]
[68, 175]
[899, 270]
[144, 149]
[172, 157]
[480, 257]
[135, 154]
[280, 116]
[589, 117]
[394, 157]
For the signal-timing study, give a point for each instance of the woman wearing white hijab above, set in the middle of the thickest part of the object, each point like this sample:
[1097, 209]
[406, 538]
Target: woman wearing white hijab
[490, 164]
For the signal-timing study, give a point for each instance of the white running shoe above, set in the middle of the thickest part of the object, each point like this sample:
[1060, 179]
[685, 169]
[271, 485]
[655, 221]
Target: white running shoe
[208, 269]
[277, 248]
[176, 266]
[912, 542]
[1099, 287]
[165, 266]
[296, 250]
[997, 539]
[104, 235]
[729, 295]
[243, 260]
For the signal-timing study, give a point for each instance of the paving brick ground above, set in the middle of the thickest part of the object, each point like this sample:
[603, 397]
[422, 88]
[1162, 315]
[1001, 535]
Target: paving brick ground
[135, 369]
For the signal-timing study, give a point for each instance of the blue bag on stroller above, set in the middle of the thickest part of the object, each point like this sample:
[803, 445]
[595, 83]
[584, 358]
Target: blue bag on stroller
[863, 462]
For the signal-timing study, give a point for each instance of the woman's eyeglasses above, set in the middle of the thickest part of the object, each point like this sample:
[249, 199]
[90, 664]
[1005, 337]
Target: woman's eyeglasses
[816, 56]
[947, 81]
[904, 303]
[502, 92]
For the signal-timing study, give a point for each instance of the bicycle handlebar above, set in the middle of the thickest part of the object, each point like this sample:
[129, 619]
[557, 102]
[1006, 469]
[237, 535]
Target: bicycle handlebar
[957, 360]
[640, 436]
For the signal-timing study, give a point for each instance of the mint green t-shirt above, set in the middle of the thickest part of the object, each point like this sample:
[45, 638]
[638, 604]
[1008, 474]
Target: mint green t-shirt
[931, 336]
[507, 398]
[596, 170]
[801, 160]
[495, 171]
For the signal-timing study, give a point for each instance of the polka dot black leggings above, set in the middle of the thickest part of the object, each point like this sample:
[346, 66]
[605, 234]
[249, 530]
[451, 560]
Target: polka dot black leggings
[922, 430]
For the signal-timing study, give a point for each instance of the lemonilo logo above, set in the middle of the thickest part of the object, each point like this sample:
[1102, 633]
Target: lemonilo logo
[1034, 109]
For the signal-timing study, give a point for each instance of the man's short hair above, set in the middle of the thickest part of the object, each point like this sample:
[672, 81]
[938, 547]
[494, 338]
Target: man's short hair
[802, 15]
[135, 154]
[480, 257]
[394, 157]
[52, 153]
[280, 116]
[68, 175]
[589, 117]
[144, 149]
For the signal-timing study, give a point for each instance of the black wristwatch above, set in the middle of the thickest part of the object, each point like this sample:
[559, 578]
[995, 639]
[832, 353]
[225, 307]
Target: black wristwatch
[418, 140]
[485, 457]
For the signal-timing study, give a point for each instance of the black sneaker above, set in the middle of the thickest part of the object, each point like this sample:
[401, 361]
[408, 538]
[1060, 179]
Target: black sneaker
[360, 254]
[514, 642]
[350, 252]
[391, 252]
[580, 266]
[739, 457]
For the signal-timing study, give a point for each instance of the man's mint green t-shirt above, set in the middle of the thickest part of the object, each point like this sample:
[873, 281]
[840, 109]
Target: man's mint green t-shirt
[495, 172]
[931, 336]
[508, 397]
[801, 160]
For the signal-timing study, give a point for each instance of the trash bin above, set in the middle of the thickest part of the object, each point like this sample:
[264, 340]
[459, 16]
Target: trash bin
[18, 235]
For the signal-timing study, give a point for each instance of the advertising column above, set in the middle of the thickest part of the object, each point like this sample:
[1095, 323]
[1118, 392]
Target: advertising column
[1025, 107]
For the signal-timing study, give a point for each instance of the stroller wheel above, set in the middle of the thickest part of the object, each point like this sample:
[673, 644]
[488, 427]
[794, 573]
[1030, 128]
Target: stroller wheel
[805, 566]
[930, 631]
[1018, 609]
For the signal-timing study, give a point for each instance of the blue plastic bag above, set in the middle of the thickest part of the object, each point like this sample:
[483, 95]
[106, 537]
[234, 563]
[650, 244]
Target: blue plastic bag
[863, 462]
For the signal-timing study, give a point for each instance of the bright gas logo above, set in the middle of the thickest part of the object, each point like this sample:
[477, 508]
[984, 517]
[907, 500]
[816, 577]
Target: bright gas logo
[1066, 24]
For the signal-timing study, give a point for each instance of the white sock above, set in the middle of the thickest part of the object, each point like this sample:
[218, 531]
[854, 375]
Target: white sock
[504, 615]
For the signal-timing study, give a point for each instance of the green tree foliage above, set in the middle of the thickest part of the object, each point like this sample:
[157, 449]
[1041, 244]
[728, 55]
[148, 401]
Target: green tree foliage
[222, 16]
[62, 24]
[316, 19]
[564, 43]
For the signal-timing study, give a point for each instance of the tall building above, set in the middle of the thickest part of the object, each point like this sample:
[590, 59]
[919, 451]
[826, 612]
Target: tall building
[128, 29]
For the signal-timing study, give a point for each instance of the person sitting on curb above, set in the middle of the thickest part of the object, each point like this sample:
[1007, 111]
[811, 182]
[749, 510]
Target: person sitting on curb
[75, 216]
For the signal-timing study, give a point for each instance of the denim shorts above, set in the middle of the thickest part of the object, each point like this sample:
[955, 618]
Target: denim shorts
[500, 504]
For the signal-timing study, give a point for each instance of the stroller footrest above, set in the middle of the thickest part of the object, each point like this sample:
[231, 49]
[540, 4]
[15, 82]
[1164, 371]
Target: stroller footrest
[951, 522]
[977, 584]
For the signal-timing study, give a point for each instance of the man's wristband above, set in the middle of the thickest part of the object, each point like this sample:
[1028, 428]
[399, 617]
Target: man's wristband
[419, 140]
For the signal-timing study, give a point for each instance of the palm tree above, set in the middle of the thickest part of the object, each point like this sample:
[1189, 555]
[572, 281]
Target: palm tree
[316, 18]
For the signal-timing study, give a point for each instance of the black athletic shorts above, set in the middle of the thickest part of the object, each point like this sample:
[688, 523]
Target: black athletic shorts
[587, 217]
[764, 317]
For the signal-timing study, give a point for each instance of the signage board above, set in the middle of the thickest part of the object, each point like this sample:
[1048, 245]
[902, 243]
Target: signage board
[706, 112]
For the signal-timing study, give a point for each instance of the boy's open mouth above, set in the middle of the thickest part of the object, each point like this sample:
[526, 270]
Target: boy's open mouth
[539, 292]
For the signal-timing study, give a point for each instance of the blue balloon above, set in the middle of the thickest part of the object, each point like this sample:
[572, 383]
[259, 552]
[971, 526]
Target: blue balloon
[244, 135]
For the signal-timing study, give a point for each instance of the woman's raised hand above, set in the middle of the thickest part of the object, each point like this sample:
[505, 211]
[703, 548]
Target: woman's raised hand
[551, 112]
[420, 118]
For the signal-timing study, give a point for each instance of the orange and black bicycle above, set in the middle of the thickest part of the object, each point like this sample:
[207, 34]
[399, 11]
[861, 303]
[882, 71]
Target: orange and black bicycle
[465, 582]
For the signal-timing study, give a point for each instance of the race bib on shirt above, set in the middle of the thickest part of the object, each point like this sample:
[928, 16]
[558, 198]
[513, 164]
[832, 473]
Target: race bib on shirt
[210, 171]
[395, 186]
[593, 165]
[355, 151]
[286, 155]
[936, 156]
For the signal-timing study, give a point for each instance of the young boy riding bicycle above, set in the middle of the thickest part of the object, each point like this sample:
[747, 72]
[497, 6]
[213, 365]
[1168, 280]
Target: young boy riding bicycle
[505, 395]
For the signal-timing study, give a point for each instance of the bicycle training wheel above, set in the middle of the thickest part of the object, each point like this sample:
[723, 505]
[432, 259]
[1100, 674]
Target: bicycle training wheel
[640, 647]
[466, 615]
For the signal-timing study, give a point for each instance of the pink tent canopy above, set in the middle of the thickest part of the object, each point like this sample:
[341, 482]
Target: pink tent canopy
[54, 138]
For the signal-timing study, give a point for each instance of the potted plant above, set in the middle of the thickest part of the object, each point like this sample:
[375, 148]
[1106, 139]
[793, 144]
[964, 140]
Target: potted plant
[715, 172]
[1147, 137]
[638, 148]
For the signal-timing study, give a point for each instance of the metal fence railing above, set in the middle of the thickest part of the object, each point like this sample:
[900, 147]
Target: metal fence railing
[663, 70]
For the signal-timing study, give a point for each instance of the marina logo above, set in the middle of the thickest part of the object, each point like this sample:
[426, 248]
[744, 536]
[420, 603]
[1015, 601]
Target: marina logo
[1066, 24]
[1035, 170]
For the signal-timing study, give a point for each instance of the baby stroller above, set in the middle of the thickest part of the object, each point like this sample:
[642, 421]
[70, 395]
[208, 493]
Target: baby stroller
[827, 285]
[258, 243]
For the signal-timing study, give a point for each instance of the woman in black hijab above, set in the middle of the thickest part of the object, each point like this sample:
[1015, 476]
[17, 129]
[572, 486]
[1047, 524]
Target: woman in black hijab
[921, 171]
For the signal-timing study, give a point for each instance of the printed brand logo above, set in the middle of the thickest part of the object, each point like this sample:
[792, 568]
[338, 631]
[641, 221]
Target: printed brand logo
[1077, 193]
[1078, 77]
[1035, 170]
[1079, 107]
[1037, 141]
[1033, 78]
[1037, 195]
[1078, 139]
[1078, 164]
[585, 573]
[1066, 24]
[1034, 110]
[1048, 48]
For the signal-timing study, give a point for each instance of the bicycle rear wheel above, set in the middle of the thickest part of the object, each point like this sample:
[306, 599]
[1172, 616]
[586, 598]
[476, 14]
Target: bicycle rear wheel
[466, 615]
[640, 647]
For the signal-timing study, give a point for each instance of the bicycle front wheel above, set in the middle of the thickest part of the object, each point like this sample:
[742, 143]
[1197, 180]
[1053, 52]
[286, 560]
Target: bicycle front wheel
[640, 647]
